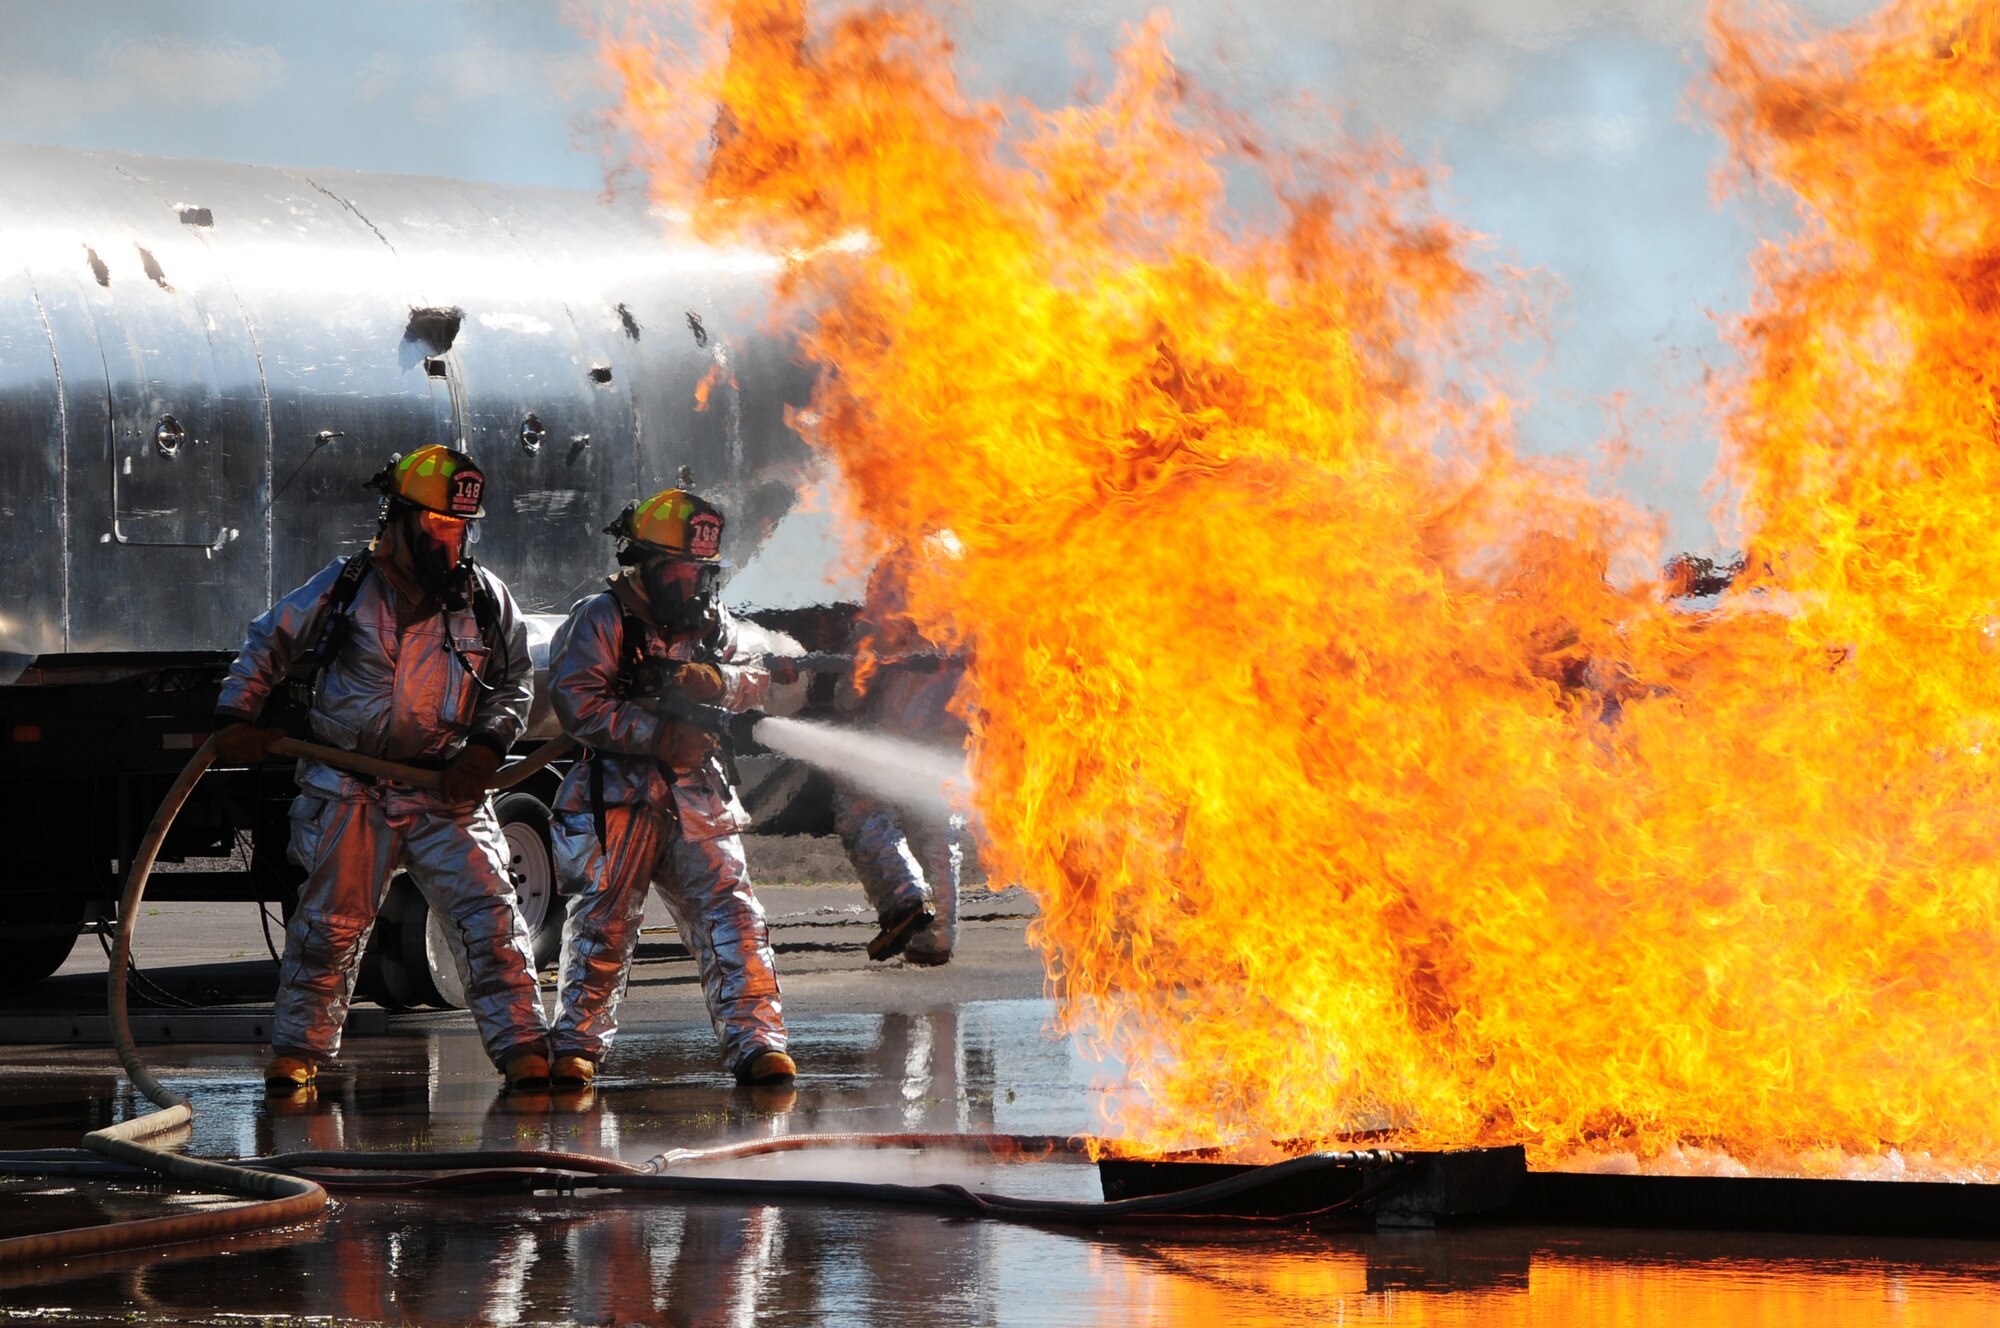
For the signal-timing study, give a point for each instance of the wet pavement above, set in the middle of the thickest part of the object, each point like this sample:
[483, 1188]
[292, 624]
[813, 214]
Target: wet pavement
[884, 1048]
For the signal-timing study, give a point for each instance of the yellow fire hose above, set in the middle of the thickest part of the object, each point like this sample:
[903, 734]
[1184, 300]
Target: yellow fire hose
[279, 1199]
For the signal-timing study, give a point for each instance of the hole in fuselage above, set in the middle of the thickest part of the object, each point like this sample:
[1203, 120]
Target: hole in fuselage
[152, 267]
[436, 327]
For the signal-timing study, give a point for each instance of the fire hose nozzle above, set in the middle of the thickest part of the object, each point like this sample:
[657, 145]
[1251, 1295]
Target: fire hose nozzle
[708, 718]
[828, 661]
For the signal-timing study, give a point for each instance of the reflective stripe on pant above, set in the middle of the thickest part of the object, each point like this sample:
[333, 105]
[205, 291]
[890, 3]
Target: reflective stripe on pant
[705, 884]
[350, 847]
[901, 858]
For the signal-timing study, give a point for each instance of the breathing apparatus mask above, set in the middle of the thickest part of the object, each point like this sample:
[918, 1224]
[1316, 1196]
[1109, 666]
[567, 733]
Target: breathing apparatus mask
[674, 542]
[682, 594]
[437, 547]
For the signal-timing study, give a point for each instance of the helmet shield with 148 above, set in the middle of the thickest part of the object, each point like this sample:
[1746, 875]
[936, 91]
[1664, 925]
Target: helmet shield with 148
[675, 540]
[438, 492]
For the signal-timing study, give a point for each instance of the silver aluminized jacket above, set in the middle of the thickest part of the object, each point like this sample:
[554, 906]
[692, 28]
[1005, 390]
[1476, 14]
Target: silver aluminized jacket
[399, 692]
[394, 692]
[907, 855]
[680, 830]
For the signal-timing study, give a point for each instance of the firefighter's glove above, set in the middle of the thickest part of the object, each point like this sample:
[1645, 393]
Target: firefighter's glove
[683, 746]
[469, 774]
[700, 683]
[244, 744]
[783, 672]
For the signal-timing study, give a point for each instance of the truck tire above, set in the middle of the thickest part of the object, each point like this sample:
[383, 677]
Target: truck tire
[387, 976]
[429, 955]
[36, 937]
[409, 961]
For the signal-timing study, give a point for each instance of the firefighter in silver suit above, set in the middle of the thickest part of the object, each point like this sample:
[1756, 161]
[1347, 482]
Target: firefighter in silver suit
[909, 858]
[653, 801]
[412, 653]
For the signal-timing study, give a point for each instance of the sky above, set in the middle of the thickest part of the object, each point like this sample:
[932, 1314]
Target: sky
[1562, 131]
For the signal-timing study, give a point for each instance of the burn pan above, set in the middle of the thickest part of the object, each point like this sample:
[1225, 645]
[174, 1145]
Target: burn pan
[1397, 1188]
[1754, 1203]
[1364, 1187]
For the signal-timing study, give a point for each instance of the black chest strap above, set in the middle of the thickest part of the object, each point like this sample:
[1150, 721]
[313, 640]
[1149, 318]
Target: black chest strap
[301, 680]
[627, 682]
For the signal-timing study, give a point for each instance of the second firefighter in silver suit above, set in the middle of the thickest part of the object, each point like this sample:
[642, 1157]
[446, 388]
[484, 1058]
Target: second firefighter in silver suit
[652, 802]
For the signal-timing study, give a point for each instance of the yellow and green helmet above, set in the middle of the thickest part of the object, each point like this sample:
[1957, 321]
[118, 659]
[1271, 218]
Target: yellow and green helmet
[674, 522]
[437, 479]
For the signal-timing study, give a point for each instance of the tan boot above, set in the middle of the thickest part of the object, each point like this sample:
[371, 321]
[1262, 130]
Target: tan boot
[527, 1072]
[572, 1072]
[287, 1074]
[898, 929]
[767, 1067]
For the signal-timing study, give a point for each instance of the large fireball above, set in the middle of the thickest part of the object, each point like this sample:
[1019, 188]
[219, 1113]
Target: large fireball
[1361, 780]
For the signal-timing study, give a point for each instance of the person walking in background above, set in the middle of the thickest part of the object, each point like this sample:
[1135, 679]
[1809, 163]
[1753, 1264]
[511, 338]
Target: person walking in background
[910, 858]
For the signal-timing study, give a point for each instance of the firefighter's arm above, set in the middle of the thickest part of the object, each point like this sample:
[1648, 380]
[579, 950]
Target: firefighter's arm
[501, 715]
[277, 637]
[583, 683]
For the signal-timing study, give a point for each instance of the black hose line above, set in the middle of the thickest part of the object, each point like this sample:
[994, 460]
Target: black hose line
[1178, 1207]
[538, 1171]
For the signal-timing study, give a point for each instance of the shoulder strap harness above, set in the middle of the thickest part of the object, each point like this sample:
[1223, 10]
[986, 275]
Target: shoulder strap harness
[301, 681]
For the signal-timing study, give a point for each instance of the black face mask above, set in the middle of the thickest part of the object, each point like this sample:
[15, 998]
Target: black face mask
[682, 594]
[434, 562]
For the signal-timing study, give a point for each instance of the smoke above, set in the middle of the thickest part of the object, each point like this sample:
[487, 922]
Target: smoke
[923, 779]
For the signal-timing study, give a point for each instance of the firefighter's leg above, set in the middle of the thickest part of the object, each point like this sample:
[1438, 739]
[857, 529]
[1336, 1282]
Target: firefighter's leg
[606, 891]
[459, 860]
[940, 847]
[706, 885]
[346, 847]
[891, 877]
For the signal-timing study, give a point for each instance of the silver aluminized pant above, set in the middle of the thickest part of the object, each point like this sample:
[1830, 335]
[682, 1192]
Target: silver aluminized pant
[350, 847]
[903, 857]
[705, 884]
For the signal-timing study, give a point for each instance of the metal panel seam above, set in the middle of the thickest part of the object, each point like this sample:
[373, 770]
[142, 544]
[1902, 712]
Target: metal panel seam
[355, 210]
[62, 461]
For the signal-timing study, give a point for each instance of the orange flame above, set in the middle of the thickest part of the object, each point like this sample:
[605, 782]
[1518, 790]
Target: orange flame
[1354, 792]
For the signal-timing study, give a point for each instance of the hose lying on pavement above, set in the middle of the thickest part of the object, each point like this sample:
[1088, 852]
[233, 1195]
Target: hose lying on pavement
[531, 1171]
[280, 1199]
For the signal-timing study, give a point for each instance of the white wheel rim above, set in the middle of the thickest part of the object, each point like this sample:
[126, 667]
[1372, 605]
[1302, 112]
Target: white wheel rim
[532, 873]
[439, 951]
